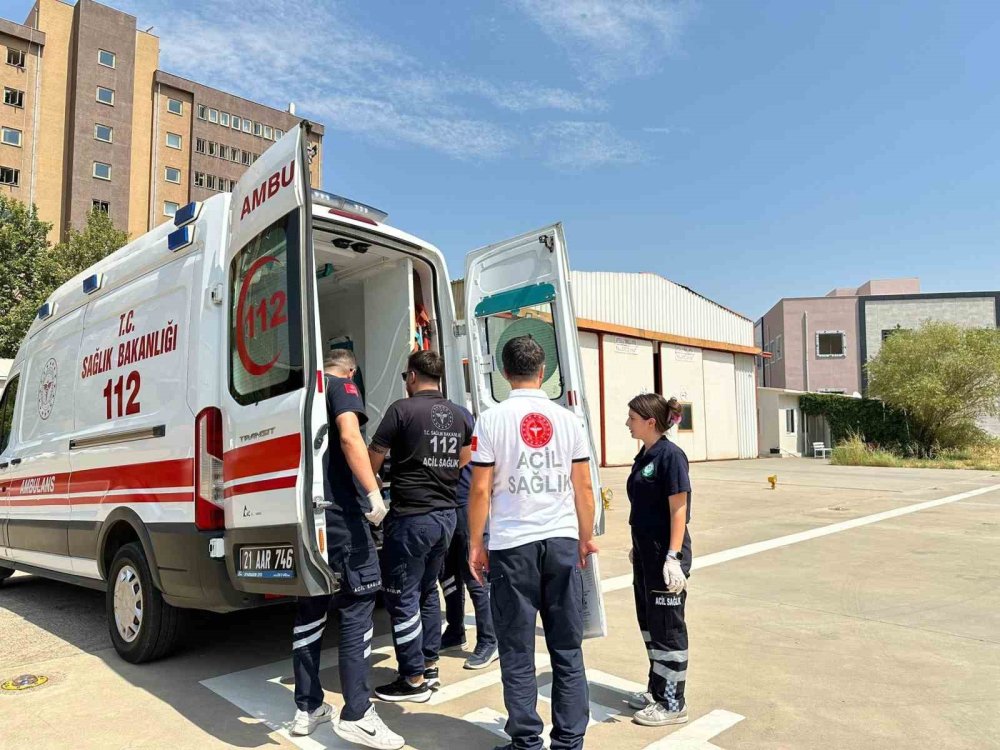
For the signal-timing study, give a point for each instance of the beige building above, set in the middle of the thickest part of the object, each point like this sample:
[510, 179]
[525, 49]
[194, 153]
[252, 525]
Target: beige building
[89, 121]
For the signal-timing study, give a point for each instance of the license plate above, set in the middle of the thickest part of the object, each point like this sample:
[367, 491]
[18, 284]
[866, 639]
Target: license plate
[277, 561]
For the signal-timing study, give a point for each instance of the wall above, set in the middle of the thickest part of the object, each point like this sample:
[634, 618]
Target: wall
[23, 118]
[165, 156]
[681, 368]
[746, 405]
[720, 405]
[628, 371]
[968, 312]
[771, 333]
[767, 410]
[147, 56]
[804, 370]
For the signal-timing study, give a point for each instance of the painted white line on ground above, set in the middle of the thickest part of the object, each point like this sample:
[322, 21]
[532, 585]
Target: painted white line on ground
[623, 582]
[696, 735]
[494, 721]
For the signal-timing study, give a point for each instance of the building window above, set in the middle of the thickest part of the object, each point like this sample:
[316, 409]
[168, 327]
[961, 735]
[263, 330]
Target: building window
[174, 140]
[213, 115]
[104, 133]
[15, 57]
[223, 184]
[175, 106]
[102, 171]
[103, 206]
[887, 332]
[13, 97]
[268, 133]
[10, 136]
[257, 128]
[687, 418]
[10, 176]
[210, 181]
[213, 148]
[278, 134]
[235, 154]
[105, 58]
[223, 151]
[170, 208]
[224, 119]
[246, 158]
[105, 96]
[236, 123]
[790, 421]
[202, 112]
[834, 391]
[247, 124]
[199, 145]
[777, 347]
[172, 174]
[830, 344]
[199, 179]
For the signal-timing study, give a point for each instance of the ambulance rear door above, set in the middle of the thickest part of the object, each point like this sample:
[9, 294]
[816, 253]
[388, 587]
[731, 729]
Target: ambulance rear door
[522, 287]
[273, 419]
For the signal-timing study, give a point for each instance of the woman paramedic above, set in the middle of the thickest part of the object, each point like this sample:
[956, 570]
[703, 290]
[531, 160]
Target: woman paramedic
[659, 491]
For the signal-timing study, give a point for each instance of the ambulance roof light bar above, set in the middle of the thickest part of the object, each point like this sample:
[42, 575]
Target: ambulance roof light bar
[346, 207]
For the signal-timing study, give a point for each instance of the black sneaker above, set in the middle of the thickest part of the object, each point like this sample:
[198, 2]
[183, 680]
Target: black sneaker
[452, 639]
[401, 690]
[432, 678]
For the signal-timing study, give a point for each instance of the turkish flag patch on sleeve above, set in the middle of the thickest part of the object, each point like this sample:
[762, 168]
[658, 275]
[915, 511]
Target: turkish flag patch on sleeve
[475, 443]
[351, 388]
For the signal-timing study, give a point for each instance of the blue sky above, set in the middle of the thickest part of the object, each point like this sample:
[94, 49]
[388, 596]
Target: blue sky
[749, 150]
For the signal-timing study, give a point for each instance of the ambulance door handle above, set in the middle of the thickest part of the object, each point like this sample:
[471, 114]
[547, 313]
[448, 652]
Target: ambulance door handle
[15, 461]
[320, 434]
[4, 464]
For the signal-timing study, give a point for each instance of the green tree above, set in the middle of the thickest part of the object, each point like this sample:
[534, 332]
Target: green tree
[23, 245]
[41, 269]
[944, 377]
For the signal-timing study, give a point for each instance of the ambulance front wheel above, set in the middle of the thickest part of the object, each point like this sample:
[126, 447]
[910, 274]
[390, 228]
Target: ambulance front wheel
[143, 627]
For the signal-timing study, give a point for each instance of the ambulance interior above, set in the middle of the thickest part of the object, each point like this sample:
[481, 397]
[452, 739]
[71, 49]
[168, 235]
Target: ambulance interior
[377, 301]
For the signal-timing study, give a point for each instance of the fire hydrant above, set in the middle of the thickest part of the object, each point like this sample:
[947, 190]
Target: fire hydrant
[773, 479]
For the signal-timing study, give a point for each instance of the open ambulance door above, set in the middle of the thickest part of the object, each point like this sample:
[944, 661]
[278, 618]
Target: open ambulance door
[273, 420]
[522, 287]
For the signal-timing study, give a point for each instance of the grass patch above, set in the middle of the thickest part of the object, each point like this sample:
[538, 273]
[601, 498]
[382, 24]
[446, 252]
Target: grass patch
[855, 452]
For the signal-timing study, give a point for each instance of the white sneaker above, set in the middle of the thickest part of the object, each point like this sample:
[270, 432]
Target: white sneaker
[369, 731]
[656, 715]
[305, 722]
[639, 701]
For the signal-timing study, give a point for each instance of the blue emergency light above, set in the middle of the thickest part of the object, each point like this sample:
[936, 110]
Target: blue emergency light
[92, 283]
[187, 214]
[180, 238]
[46, 310]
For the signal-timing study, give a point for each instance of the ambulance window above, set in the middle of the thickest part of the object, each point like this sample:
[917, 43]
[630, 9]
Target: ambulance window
[535, 321]
[7, 404]
[265, 342]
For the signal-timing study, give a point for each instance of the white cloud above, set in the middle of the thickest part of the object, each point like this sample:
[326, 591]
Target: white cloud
[576, 146]
[610, 39]
[314, 53]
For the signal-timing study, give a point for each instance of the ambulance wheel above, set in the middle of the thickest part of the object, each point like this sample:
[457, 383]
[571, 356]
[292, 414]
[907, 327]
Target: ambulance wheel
[5, 573]
[143, 627]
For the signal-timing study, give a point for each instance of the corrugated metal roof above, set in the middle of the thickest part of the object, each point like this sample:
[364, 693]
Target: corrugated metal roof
[651, 302]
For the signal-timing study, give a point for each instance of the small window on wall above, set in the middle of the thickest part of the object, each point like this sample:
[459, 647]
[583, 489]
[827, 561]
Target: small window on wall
[247, 124]
[199, 145]
[105, 58]
[265, 327]
[10, 136]
[172, 174]
[104, 133]
[174, 140]
[224, 119]
[8, 403]
[199, 179]
[170, 208]
[102, 171]
[15, 57]
[887, 332]
[687, 418]
[236, 123]
[103, 206]
[175, 106]
[106, 96]
[10, 176]
[13, 97]
[830, 344]
[777, 347]
[267, 132]
[202, 112]
[790, 421]
[213, 115]
[257, 128]
[534, 321]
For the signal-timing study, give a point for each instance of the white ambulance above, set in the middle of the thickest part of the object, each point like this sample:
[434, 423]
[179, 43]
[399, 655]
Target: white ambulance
[163, 425]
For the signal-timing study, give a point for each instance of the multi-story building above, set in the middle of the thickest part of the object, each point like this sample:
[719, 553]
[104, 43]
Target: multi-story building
[822, 344]
[89, 121]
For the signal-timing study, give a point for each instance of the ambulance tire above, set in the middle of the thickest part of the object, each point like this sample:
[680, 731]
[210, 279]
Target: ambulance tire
[5, 573]
[160, 627]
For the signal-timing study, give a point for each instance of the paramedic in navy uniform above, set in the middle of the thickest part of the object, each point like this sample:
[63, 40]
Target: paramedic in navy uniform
[659, 491]
[429, 439]
[348, 480]
[531, 476]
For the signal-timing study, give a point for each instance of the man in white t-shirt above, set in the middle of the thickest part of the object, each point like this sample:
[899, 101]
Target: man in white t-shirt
[531, 476]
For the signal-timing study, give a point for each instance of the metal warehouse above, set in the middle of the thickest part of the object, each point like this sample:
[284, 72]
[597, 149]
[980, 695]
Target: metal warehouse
[640, 332]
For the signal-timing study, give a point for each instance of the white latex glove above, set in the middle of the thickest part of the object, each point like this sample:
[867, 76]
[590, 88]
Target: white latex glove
[378, 511]
[673, 576]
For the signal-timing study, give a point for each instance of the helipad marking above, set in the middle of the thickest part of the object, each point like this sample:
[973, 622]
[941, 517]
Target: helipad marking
[696, 735]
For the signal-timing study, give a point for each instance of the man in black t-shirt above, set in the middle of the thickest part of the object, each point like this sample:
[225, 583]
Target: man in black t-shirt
[352, 491]
[429, 439]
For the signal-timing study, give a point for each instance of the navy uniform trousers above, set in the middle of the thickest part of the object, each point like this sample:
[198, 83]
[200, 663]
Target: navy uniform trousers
[541, 577]
[415, 548]
[456, 572]
[357, 564]
[661, 620]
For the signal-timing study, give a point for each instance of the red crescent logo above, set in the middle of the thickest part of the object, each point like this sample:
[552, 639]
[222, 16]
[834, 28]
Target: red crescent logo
[252, 367]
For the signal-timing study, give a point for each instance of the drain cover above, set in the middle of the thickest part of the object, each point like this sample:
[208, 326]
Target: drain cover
[23, 682]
